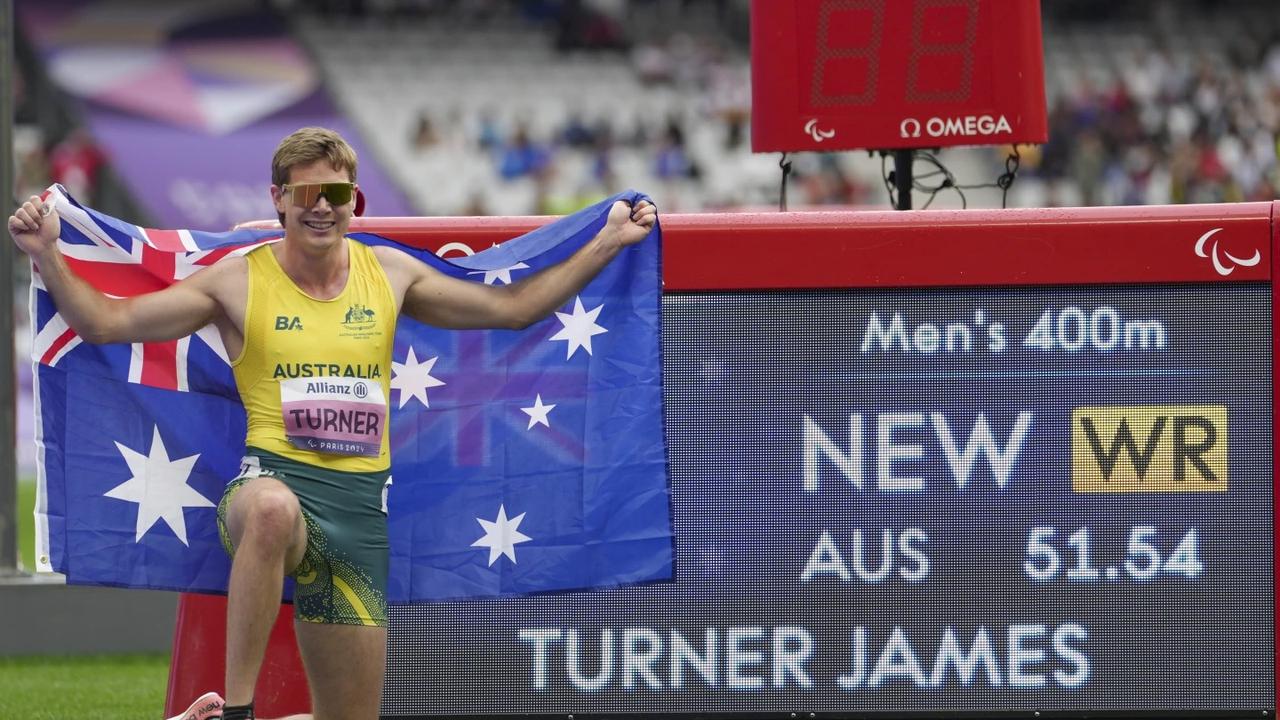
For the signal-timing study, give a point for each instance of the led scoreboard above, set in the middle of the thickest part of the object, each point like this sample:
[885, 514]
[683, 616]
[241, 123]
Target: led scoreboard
[938, 462]
[944, 463]
[881, 74]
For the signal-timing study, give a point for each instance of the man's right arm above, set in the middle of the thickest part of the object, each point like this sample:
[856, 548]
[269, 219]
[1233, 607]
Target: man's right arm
[176, 311]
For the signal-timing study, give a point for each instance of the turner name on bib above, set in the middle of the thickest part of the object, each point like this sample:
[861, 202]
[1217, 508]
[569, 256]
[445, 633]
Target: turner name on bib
[340, 415]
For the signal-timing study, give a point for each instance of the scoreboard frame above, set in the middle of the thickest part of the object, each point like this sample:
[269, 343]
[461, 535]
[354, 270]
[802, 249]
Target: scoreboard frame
[1213, 243]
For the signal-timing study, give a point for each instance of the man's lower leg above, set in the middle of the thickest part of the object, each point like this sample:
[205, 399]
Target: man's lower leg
[253, 603]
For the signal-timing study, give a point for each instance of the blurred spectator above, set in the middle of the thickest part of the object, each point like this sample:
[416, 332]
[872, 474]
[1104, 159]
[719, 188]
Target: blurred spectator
[652, 63]
[475, 206]
[671, 162]
[1088, 164]
[424, 136]
[489, 134]
[591, 25]
[31, 171]
[522, 156]
[24, 109]
[822, 181]
[575, 133]
[75, 163]
[1171, 128]
[602, 155]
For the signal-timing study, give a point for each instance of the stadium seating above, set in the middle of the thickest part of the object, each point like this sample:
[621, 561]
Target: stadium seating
[1177, 71]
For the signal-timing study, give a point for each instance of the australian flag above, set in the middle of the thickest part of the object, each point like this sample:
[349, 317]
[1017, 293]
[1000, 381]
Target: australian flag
[522, 461]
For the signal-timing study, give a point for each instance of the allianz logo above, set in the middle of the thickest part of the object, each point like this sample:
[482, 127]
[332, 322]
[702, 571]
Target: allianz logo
[963, 125]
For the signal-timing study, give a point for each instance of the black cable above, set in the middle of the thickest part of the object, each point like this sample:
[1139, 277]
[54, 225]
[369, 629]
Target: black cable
[930, 174]
[889, 179]
[785, 164]
[1003, 182]
[948, 180]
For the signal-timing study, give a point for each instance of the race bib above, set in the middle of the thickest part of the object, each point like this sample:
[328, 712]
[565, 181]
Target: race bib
[344, 416]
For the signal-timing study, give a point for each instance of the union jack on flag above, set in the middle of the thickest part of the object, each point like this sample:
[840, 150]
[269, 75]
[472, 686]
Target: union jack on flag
[521, 461]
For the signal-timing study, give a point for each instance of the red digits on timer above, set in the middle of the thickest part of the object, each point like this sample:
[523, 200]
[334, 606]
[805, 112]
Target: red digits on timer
[929, 61]
[869, 53]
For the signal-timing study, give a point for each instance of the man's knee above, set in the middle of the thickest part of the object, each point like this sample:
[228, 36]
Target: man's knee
[267, 511]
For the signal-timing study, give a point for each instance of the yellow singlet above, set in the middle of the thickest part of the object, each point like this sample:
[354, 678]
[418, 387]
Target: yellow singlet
[315, 375]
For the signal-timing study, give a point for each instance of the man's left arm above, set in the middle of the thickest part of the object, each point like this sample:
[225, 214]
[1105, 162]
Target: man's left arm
[436, 299]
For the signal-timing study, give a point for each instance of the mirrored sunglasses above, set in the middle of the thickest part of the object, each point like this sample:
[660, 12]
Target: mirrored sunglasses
[305, 195]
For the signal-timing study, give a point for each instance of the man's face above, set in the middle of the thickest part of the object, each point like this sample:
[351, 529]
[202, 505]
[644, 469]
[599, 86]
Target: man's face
[322, 224]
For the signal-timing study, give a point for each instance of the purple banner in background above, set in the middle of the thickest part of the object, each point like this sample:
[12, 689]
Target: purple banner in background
[189, 99]
[184, 179]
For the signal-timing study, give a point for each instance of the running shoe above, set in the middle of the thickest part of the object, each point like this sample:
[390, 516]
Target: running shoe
[206, 707]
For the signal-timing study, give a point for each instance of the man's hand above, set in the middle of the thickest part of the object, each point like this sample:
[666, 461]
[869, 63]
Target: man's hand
[631, 225]
[35, 227]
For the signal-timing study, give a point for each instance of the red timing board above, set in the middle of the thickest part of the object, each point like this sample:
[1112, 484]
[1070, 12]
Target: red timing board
[1228, 242]
[930, 248]
[891, 74]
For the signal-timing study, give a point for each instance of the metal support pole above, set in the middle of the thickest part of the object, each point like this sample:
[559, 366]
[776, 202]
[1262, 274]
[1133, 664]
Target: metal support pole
[8, 382]
[902, 179]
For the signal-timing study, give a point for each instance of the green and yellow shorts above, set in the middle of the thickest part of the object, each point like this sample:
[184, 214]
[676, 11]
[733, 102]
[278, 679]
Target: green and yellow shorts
[342, 579]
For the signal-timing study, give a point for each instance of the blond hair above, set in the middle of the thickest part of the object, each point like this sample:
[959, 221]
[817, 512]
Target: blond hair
[308, 145]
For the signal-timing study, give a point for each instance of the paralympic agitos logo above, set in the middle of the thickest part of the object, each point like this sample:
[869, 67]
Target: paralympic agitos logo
[1231, 261]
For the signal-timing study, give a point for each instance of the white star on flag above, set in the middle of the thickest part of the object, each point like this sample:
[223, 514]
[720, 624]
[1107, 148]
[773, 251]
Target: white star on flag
[501, 535]
[579, 327]
[159, 486]
[538, 413]
[412, 378]
[503, 274]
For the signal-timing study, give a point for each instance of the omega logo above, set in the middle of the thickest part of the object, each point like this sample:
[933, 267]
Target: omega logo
[967, 125]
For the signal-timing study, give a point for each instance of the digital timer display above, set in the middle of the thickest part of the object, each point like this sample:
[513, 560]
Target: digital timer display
[885, 74]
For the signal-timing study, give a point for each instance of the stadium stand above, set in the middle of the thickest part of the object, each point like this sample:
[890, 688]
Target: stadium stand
[541, 107]
[538, 128]
[1171, 102]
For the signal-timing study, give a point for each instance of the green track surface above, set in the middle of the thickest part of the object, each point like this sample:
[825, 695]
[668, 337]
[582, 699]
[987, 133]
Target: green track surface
[127, 687]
